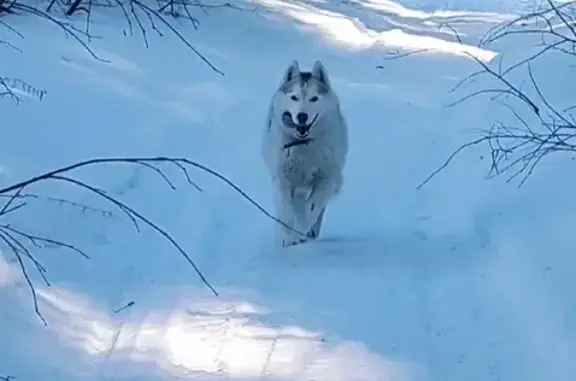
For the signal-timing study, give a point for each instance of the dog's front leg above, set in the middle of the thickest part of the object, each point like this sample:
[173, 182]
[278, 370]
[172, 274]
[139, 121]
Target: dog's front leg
[288, 213]
[318, 201]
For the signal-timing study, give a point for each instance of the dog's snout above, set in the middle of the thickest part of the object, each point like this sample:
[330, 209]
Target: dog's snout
[302, 117]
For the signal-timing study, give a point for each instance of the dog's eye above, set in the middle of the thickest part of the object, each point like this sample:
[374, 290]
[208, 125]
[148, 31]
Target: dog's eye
[314, 99]
[294, 98]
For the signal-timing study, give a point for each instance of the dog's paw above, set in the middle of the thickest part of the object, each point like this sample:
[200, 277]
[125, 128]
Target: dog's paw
[293, 241]
[312, 234]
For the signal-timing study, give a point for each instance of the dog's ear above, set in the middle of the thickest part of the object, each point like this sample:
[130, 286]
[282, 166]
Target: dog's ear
[292, 72]
[319, 72]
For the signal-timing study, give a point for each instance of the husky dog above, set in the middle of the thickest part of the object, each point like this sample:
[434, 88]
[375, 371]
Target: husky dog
[304, 146]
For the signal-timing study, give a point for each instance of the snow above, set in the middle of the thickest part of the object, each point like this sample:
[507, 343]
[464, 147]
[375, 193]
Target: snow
[464, 279]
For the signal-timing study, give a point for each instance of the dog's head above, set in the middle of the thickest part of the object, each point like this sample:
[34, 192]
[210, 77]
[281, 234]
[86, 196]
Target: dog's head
[303, 99]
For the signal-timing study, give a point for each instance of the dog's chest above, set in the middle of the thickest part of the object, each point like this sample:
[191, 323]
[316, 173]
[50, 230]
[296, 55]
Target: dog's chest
[306, 164]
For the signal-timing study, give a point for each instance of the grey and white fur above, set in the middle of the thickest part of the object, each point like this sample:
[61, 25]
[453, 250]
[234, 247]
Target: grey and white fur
[304, 146]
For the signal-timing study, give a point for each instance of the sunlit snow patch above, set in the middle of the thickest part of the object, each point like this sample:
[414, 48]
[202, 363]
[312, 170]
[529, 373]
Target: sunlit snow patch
[348, 32]
[393, 7]
[211, 338]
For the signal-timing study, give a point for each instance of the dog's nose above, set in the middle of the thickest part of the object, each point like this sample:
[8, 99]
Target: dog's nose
[302, 117]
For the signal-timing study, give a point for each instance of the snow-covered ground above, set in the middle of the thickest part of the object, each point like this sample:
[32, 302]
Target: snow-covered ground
[466, 279]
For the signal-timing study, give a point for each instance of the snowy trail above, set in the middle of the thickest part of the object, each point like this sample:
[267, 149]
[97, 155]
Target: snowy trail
[432, 300]
[440, 284]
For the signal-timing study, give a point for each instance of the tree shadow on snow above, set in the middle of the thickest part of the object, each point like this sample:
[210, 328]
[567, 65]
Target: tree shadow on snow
[408, 250]
[375, 289]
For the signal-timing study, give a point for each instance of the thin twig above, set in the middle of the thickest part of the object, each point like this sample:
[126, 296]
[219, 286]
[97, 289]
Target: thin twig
[519, 149]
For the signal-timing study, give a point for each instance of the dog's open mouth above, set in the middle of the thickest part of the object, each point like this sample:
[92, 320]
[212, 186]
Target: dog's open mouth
[302, 130]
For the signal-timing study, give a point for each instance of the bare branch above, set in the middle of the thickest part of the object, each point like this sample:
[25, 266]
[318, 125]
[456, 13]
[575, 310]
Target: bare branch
[22, 243]
[542, 128]
[449, 160]
[124, 307]
[74, 19]
[17, 253]
[182, 163]
[60, 201]
[41, 242]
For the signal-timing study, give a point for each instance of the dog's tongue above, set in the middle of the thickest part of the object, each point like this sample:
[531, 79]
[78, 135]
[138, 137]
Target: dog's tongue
[287, 120]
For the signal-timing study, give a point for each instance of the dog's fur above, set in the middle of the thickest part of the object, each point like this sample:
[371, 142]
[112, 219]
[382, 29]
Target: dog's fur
[305, 161]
